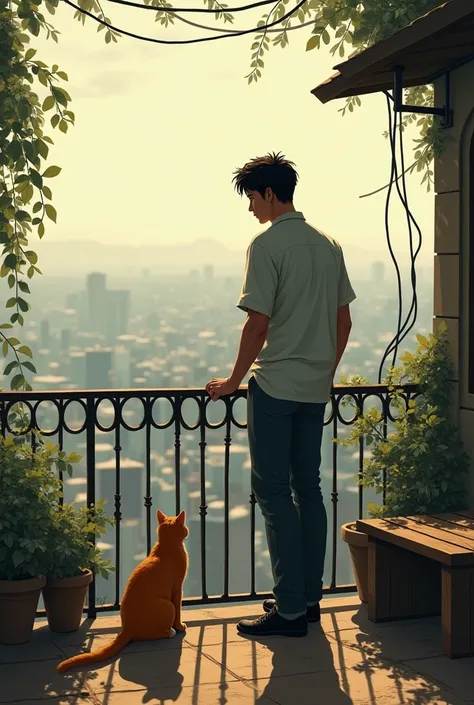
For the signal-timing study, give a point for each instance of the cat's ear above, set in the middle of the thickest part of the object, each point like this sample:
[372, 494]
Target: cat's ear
[160, 516]
[181, 518]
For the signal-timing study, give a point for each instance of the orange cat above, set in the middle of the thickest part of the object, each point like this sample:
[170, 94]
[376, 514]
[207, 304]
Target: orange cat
[151, 603]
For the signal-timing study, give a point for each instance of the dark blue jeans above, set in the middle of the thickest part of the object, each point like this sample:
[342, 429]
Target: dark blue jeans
[285, 451]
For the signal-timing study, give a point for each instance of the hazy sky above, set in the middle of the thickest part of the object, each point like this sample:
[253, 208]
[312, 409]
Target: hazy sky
[160, 130]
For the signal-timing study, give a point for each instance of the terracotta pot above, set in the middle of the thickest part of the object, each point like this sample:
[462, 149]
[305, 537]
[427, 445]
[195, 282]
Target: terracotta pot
[358, 543]
[18, 605]
[64, 601]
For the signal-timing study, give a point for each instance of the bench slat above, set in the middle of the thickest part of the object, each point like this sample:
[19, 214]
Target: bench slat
[424, 527]
[456, 520]
[440, 521]
[386, 530]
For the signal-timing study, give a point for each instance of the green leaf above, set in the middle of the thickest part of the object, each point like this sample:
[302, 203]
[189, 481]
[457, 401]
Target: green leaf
[10, 303]
[17, 382]
[34, 25]
[11, 366]
[23, 305]
[14, 150]
[25, 350]
[41, 230]
[24, 287]
[31, 256]
[27, 194]
[51, 212]
[22, 216]
[48, 103]
[29, 366]
[36, 178]
[47, 192]
[312, 43]
[51, 171]
[18, 556]
[37, 207]
[10, 261]
[43, 149]
[62, 96]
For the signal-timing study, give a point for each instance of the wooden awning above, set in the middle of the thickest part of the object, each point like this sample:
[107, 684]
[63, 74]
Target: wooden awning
[438, 41]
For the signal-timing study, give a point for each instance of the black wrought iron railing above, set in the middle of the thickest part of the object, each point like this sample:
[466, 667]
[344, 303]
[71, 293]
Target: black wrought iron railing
[65, 414]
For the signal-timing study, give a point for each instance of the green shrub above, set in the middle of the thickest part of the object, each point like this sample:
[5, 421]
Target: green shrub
[423, 458]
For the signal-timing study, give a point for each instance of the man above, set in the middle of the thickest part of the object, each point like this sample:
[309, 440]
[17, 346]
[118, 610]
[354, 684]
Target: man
[296, 293]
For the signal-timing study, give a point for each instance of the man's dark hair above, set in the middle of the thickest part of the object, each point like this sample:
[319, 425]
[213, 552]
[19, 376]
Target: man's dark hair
[271, 171]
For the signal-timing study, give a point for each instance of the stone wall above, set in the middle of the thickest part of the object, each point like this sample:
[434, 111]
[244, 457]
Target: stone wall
[454, 213]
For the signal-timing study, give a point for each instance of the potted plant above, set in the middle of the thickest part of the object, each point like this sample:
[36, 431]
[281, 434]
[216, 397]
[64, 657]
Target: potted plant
[73, 559]
[29, 487]
[421, 464]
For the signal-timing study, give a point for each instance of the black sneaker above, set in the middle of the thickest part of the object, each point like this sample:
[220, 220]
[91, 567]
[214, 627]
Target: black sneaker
[271, 624]
[313, 613]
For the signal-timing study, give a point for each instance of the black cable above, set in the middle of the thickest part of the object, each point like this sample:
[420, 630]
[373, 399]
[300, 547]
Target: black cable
[393, 171]
[186, 41]
[413, 255]
[395, 343]
[205, 10]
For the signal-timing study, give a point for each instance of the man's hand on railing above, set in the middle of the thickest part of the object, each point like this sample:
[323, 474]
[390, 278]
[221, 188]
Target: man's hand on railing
[217, 388]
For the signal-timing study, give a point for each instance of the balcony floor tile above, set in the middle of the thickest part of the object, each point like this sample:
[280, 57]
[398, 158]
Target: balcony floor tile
[347, 660]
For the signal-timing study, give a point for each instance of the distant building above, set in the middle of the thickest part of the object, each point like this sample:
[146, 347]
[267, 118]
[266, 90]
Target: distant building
[77, 368]
[118, 314]
[96, 301]
[65, 339]
[98, 368]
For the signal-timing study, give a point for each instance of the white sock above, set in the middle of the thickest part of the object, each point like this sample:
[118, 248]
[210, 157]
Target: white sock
[291, 617]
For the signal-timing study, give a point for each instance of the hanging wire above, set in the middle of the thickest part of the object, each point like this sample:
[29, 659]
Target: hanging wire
[402, 330]
[124, 32]
[236, 31]
[205, 10]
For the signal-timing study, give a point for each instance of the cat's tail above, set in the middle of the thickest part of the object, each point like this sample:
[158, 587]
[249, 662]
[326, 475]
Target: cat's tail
[102, 654]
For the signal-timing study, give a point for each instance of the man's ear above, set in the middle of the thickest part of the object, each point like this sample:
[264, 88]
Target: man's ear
[181, 518]
[160, 516]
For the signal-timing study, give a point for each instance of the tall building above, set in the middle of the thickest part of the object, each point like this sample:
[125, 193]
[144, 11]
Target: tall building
[97, 301]
[65, 339]
[98, 368]
[118, 314]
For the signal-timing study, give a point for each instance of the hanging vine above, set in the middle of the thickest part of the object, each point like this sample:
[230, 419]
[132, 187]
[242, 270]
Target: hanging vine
[33, 99]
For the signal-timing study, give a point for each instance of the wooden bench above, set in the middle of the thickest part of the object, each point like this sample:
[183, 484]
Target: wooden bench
[421, 566]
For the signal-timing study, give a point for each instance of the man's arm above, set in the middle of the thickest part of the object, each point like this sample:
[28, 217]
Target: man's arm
[252, 340]
[344, 325]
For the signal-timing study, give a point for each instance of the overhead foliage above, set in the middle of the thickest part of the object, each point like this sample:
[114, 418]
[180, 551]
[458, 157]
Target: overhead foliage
[33, 99]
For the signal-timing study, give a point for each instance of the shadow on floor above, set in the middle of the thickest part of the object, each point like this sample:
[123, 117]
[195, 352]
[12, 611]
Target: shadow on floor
[333, 694]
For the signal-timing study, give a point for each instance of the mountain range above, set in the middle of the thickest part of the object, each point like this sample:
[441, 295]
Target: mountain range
[77, 257]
